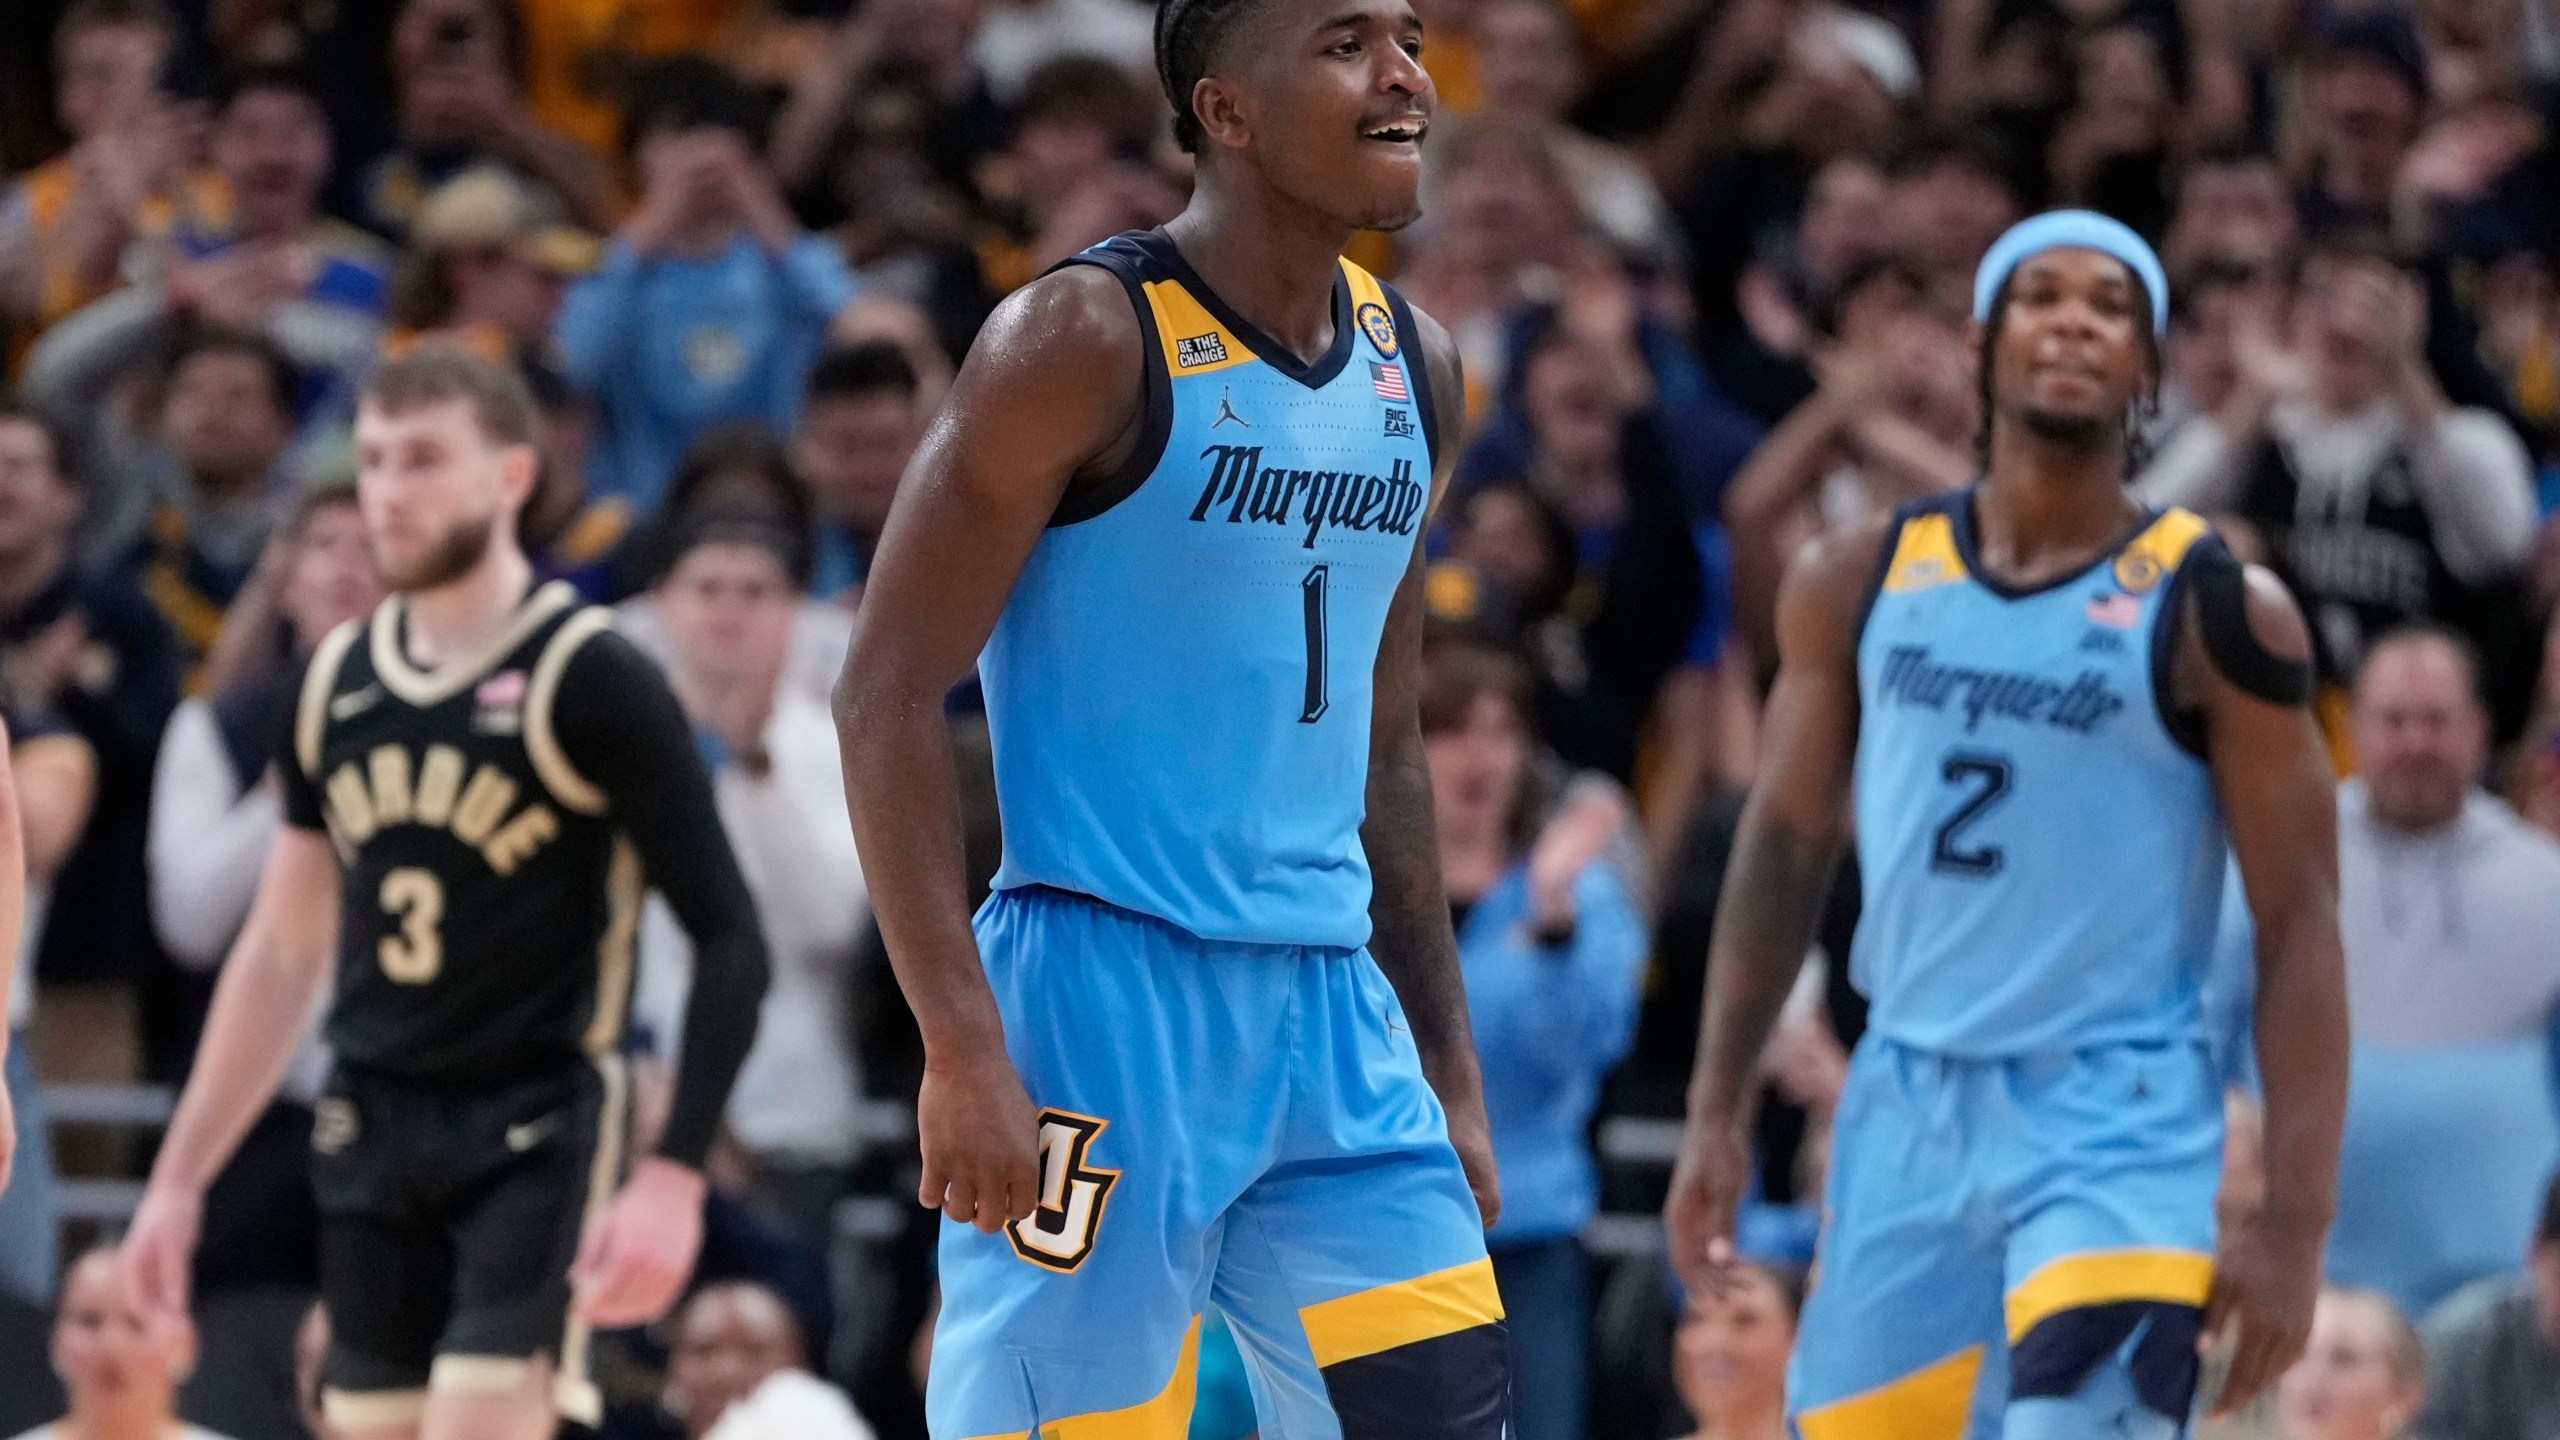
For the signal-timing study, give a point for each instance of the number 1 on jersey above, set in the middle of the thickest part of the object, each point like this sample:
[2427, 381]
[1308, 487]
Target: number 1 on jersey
[1311, 590]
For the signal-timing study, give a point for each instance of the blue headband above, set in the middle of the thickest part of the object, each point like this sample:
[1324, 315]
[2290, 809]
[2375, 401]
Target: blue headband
[2077, 230]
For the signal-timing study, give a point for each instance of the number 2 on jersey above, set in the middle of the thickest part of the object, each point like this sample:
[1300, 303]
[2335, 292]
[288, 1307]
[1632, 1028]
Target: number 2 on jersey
[1985, 778]
[415, 955]
[1311, 591]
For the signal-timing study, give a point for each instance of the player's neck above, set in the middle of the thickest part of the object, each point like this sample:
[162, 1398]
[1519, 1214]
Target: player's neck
[2045, 500]
[456, 617]
[1272, 260]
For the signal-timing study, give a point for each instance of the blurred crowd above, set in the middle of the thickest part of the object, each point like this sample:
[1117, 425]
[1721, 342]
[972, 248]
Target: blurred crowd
[1708, 264]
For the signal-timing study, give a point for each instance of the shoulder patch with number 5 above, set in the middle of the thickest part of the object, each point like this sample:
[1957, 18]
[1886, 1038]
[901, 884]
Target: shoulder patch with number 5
[1059, 1235]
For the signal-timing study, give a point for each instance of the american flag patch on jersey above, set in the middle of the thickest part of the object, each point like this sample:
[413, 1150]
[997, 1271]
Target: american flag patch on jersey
[1390, 382]
[2118, 610]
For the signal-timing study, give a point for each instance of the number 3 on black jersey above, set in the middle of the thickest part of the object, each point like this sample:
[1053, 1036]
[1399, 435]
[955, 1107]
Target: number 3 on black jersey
[1984, 779]
[415, 898]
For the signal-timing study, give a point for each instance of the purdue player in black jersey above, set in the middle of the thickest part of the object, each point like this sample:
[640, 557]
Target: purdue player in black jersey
[477, 781]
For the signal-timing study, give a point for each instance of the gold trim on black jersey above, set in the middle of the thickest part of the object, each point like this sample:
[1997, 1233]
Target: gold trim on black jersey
[423, 688]
[311, 719]
[541, 743]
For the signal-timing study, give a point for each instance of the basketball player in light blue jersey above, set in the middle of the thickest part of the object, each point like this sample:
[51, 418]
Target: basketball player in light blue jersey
[1206, 1044]
[2047, 714]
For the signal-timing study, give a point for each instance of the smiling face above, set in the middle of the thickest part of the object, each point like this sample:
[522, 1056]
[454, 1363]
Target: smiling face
[1329, 101]
[2351, 1382]
[2071, 346]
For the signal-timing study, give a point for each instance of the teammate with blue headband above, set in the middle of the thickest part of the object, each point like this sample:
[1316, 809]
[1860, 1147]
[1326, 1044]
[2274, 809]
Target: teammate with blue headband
[2056, 714]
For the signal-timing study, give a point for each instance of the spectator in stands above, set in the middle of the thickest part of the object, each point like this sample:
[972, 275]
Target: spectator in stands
[2375, 497]
[1951, 194]
[2234, 206]
[87, 647]
[711, 301]
[1015, 38]
[736, 1373]
[1729, 1356]
[213, 813]
[268, 244]
[727, 603]
[459, 107]
[1610, 421]
[858, 425]
[1076, 173]
[2367, 96]
[65, 226]
[2362, 1376]
[2493, 1350]
[487, 268]
[1792, 299]
[191, 521]
[1529, 65]
[120, 1366]
[56, 785]
[2225, 320]
[1552, 944]
[737, 467]
[2448, 906]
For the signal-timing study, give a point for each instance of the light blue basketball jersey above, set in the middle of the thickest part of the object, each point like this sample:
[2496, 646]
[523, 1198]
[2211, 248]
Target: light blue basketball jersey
[1179, 688]
[2042, 858]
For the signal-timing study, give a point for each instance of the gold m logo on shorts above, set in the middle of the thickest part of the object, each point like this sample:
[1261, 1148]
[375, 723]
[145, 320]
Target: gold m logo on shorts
[1059, 1234]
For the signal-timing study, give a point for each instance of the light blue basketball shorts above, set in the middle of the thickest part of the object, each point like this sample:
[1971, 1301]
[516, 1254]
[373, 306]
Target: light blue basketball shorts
[2015, 1248]
[1239, 1125]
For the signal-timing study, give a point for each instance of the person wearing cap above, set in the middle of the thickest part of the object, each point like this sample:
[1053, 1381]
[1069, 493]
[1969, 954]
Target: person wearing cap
[2053, 712]
[488, 265]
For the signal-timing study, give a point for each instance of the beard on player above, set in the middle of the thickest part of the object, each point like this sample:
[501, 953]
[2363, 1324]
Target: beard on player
[441, 561]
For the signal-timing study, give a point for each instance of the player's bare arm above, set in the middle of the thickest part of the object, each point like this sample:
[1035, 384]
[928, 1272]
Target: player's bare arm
[1051, 393]
[270, 985]
[2279, 799]
[1791, 834]
[1410, 935]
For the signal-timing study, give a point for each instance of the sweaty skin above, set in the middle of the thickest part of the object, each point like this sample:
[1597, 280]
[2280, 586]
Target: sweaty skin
[2066, 364]
[1051, 398]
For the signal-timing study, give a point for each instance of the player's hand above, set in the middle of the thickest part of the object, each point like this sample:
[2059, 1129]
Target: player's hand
[159, 1249]
[1706, 1201]
[2265, 1281]
[981, 1149]
[1471, 1134]
[636, 1261]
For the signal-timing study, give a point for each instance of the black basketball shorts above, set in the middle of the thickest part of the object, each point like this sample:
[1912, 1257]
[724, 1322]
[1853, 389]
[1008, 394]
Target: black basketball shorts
[449, 1218]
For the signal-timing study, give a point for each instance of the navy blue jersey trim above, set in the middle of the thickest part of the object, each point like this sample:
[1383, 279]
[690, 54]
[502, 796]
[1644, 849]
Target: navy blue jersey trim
[1965, 527]
[2185, 726]
[1130, 263]
[2222, 616]
[1903, 515]
[1425, 398]
[1162, 255]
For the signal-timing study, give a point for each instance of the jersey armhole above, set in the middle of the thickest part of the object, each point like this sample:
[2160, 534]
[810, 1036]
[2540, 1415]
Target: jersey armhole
[541, 705]
[319, 684]
[1425, 395]
[1155, 427]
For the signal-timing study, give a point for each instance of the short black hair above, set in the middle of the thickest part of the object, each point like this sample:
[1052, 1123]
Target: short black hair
[736, 445]
[250, 79]
[14, 411]
[84, 16]
[873, 367]
[284, 381]
[732, 524]
[691, 92]
[1084, 88]
[1187, 36]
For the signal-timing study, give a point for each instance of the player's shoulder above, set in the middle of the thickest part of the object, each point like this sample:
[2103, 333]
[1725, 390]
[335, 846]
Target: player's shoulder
[1079, 314]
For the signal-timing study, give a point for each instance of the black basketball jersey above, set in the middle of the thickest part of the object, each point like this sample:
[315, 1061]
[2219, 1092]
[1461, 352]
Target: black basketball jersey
[490, 891]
